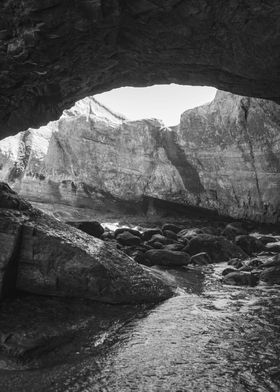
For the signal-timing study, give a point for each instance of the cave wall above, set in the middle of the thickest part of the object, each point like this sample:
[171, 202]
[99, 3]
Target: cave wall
[55, 52]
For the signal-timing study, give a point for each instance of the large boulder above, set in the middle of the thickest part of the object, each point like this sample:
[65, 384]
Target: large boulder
[127, 239]
[200, 259]
[167, 257]
[45, 256]
[93, 228]
[234, 229]
[249, 244]
[218, 248]
[271, 275]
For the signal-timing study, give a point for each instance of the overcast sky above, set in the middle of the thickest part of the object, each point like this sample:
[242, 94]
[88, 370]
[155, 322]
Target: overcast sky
[166, 102]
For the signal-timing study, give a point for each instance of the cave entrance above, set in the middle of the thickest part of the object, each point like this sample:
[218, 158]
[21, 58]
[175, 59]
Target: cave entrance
[165, 102]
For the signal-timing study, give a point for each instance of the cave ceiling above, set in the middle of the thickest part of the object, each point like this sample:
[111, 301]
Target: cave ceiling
[54, 52]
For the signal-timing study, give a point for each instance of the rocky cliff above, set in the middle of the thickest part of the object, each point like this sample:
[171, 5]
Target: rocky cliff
[92, 157]
[223, 156]
[233, 143]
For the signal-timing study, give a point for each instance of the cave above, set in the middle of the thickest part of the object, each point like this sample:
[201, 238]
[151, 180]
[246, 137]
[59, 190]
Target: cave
[182, 293]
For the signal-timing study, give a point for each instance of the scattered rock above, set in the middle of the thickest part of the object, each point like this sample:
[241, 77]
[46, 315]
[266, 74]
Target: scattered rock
[127, 230]
[157, 245]
[228, 270]
[265, 239]
[126, 238]
[254, 263]
[234, 229]
[273, 247]
[236, 263]
[238, 278]
[249, 244]
[93, 228]
[167, 257]
[162, 239]
[271, 275]
[189, 233]
[171, 227]
[218, 247]
[174, 247]
[147, 234]
[170, 234]
[200, 259]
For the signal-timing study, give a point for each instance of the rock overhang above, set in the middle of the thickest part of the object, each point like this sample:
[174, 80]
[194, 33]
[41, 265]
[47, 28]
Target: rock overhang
[55, 52]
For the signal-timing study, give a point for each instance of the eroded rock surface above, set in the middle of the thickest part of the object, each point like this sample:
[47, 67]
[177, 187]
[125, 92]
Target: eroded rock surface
[55, 52]
[233, 143]
[44, 256]
[223, 156]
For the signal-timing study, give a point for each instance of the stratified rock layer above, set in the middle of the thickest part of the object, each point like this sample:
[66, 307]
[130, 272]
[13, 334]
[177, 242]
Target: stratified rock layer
[223, 156]
[44, 256]
[233, 143]
[54, 52]
[91, 157]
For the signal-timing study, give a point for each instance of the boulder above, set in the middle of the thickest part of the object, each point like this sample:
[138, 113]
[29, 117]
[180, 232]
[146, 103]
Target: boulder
[170, 234]
[271, 275]
[255, 263]
[48, 257]
[249, 244]
[273, 247]
[218, 247]
[139, 257]
[234, 229]
[162, 239]
[127, 230]
[126, 238]
[200, 259]
[189, 233]
[272, 262]
[265, 239]
[236, 263]
[93, 228]
[171, 227]
[240, 279]
[157, 245]
[176, 247]
[147, 234]
[228, 270]
[167, 257]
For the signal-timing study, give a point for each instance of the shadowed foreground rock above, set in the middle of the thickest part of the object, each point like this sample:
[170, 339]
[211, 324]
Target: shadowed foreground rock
[43, 256]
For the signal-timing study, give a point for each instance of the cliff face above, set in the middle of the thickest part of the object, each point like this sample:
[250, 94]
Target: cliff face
[91, 156]
[223, 156]
[234, 145]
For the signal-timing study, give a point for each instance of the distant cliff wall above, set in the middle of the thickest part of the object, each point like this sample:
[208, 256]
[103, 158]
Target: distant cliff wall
[224, 156]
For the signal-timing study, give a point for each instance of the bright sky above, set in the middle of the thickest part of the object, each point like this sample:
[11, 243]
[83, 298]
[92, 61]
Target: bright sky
[165, 102]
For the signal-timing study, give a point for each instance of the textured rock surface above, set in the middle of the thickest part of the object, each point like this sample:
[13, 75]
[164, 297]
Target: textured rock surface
[90, 158]
[54, 52]
[224, 156]
[45, 256]
[233, 143]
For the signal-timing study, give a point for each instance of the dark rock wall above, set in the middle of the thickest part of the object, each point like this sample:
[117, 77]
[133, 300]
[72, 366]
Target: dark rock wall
[55, 52]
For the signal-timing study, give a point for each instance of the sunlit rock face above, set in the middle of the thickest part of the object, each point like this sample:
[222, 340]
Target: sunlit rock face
[55, 52]
[223, 156]
[91, 156]
[234, 145]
